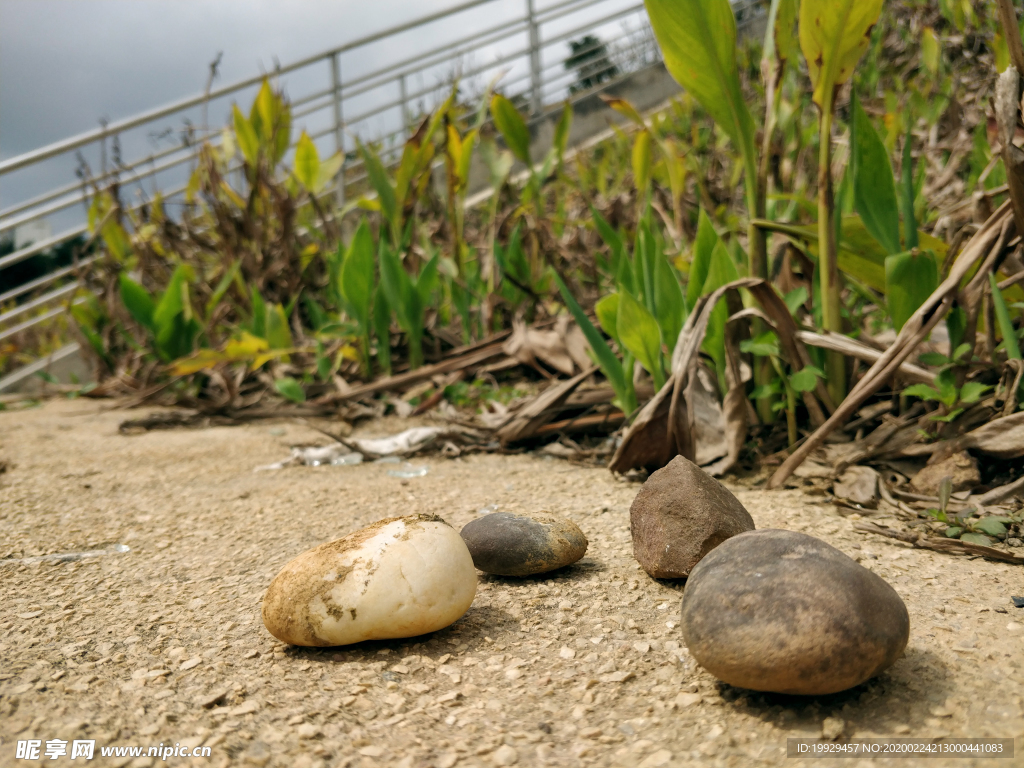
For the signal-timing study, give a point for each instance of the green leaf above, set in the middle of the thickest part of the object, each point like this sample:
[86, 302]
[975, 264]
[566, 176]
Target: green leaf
[796, 299]
[283, 132]
[721, 271]
[382, 185]
[698, 42]
[512, 126]
[562, 128]
[910, 278]
[279, 335]
[222, 288]
[922, 391]
[668, 301]
[138, 302]
[607, 311]
[624, 108]
[116, 240]
[639, 333]
[170, 305]
[953, 531]
[291, 389]
[246, 137]
[356, 278]
[606, 359]
[933, 358]
[382, 328]
[259, 314]
[398, 287]
[972, 391]
[931, 51]
[328, 170]
[948, 417]
[700, 262]
[946, 383]
[641, 159]
[806, 380]
[961, 350]
[765, 345]
[787, 46]
[318, 318]
[774, 387]
[1003, 319]
[611, 238]
[909, 220]
[261, 114]
[873, 187]
[307, 163]
[956, 326]
[976, 538]
[991, 526]
[834, 34]
[945, 491]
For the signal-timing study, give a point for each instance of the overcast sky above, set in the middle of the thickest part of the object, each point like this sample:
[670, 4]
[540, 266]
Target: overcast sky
[64, 64]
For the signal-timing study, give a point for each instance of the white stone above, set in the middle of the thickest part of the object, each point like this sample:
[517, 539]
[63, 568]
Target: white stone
[399, 577]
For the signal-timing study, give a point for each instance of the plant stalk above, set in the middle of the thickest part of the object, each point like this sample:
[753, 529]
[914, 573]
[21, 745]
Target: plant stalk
[828, 262]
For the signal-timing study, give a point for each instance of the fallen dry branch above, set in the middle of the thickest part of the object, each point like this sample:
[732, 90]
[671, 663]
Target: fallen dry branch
[913, 333]
[593, 421]
[465, 361]
[853, 348]
[1001, 437]
[936, 544]
[525, 422]
[1003, 492]
[228, 417]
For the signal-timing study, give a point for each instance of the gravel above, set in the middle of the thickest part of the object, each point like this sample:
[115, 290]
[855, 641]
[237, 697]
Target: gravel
[164, 643]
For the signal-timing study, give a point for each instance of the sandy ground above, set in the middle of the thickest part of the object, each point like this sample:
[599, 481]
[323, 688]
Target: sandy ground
[164, 644]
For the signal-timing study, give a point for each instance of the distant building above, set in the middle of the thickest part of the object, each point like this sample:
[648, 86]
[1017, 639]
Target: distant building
[32, 232]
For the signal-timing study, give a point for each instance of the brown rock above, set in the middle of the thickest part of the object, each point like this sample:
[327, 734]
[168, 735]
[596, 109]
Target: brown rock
[962, 467]
[680, 515]
[785, 612]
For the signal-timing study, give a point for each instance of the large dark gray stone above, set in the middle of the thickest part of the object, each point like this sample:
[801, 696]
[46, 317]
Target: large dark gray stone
[680, 515]
[785, 612]
[507, 544]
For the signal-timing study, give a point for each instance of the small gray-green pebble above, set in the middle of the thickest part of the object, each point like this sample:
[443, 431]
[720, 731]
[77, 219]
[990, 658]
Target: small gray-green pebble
[507, 544]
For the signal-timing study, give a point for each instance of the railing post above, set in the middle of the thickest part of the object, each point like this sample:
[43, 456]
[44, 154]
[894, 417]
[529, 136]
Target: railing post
[403, 96]
[339, 136]
[535, 83]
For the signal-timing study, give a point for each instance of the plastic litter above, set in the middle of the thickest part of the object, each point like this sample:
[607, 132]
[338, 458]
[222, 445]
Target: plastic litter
[67, 557]
[487, 509]
[409, 441]
[388, 460]
[409, 470]
[336, 455]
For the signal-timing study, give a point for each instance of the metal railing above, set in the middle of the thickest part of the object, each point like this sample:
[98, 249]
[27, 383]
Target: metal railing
[526, 52]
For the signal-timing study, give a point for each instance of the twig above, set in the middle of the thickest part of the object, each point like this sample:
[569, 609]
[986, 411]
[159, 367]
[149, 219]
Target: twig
[861, 351]
[1002, 492]
[949, 546]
